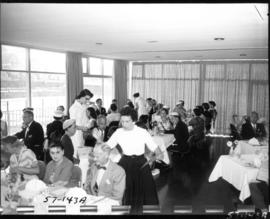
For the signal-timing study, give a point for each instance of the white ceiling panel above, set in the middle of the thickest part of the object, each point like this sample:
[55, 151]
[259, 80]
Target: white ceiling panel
[180, 31]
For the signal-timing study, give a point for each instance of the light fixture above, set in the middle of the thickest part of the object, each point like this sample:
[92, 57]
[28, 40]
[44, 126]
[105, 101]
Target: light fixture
[242, 54]
[157, 57]
[152, 41]
[99, 44]
[219, 38]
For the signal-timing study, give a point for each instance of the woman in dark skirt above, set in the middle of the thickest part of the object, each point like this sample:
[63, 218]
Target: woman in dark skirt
[140, 185]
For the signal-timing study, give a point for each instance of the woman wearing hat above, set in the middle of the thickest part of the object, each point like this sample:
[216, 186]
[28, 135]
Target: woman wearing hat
[56, 128]
[140, 185]
[78, 112]
[69, 127]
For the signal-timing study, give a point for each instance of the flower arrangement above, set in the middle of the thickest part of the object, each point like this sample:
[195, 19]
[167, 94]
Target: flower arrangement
[232, 144]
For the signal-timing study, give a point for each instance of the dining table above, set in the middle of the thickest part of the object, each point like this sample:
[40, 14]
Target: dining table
[236, 170]
[244, 147]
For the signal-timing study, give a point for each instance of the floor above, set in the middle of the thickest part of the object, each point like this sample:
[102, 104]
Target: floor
[186, 183]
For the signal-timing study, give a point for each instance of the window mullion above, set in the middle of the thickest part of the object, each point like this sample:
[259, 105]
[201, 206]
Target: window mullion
[29, 78]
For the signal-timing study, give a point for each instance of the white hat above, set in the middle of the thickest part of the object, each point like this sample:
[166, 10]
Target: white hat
[58, 114]
[68, 123]
[166, 107]
[174, 114]
[33, 188]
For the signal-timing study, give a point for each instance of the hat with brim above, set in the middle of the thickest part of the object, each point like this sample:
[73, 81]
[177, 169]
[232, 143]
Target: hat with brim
[58, 114]
[27, 109]
[68, 123]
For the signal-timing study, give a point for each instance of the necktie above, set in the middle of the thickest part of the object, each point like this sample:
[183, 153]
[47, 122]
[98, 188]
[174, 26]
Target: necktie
[100, 167]
[26, 131]
[96, 188]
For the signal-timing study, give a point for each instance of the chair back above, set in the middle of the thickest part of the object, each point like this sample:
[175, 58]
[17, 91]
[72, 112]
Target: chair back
[42, 169]
[76, 177]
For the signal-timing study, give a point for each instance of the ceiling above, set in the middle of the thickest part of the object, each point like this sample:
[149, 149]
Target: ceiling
[140, 32]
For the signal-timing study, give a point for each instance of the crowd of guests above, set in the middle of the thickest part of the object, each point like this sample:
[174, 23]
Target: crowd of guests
[128, 130]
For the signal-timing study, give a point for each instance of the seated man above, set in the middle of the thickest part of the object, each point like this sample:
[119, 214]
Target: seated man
[59, 169]
[259, 191]
[101, 131]
[32, 133]
[23, 161]
[252, 129]
[104, 177]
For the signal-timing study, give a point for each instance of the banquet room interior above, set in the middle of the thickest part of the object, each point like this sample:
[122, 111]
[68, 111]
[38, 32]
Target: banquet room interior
[195, 74]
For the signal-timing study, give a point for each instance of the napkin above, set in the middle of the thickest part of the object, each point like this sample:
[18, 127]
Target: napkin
[253, 141]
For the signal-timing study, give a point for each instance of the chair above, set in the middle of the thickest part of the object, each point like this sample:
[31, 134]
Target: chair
[76, 177]
[42, 169]
[114, 123]
[111, 130]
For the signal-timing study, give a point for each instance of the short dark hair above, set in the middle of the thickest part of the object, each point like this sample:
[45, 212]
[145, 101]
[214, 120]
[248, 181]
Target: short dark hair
[56, 144]
[128, 111]
[212, 103]
[29, 113]
[1, 114]
[144, 119]
[255, 113]
[206, 106]
[164, 109]
[114, 100]
[197, 111]
[136, 94]
[85, 92]
[200, 108]
[130, 104]
[113, 107]
[92, 112]
[98, 99]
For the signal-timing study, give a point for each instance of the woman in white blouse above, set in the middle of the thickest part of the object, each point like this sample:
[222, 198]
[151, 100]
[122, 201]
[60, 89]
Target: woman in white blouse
[78, 112]
[140, 185]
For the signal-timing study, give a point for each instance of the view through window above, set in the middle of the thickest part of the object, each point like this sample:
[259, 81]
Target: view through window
[98, 78]
[42, 85]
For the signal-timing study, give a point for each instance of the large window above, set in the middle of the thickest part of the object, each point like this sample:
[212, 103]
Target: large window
[31, 77]
[98, 78]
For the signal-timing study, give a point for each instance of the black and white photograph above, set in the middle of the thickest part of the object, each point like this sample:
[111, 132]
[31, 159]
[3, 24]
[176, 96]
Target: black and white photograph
[135, 109]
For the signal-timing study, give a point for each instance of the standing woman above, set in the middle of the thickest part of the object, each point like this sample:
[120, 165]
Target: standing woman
[77, 111]
[140, 185]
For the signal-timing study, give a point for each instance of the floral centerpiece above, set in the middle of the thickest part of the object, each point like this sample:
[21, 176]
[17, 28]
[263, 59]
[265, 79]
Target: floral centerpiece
[232, 145]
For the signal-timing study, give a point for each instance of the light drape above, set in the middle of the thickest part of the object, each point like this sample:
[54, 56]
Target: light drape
[121, 78]
[236, 87]
[74, 76]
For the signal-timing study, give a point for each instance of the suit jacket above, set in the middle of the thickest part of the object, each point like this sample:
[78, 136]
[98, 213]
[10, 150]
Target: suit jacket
[112, 184]
[180, 133]
[33, 139]
[248, 132]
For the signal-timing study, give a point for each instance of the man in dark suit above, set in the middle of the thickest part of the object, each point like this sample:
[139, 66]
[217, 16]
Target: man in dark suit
[104, 177]
[180, 132]
[252, 129]
[100, 110]
[32, 134]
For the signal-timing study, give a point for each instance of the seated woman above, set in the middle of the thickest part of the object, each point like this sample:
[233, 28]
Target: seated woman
[23, 161]
[164, 122]
[59, 169]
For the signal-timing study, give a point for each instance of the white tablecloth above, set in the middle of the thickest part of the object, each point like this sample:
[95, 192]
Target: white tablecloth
[245, 148]
[233, 171]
